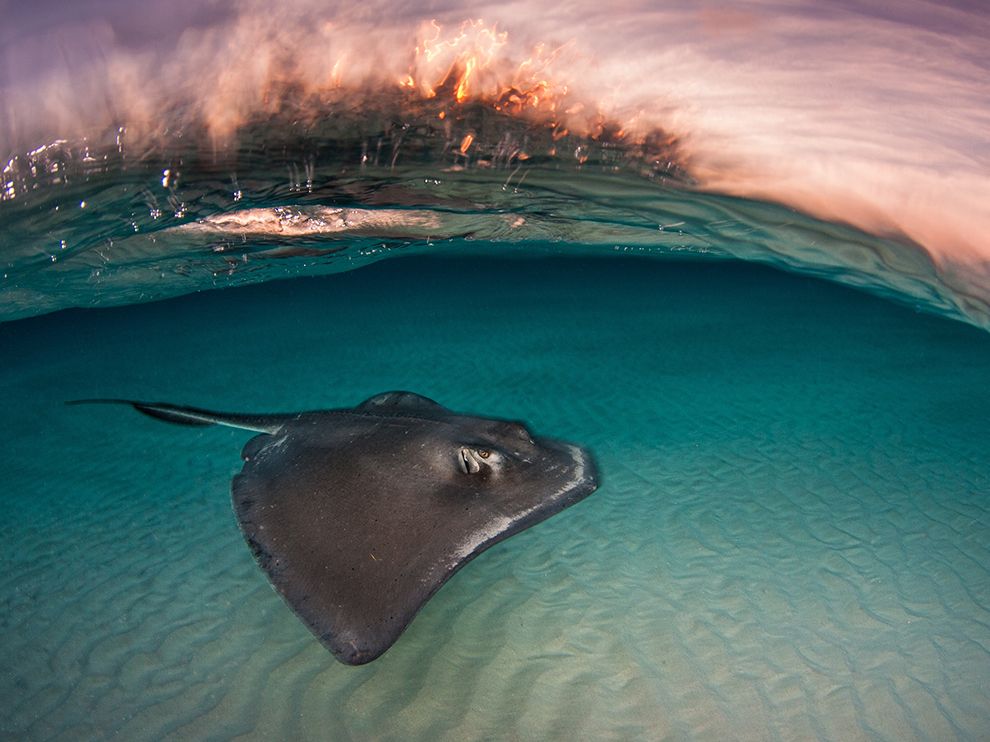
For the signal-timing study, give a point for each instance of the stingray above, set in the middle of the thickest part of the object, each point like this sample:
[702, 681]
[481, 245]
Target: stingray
[359, 515]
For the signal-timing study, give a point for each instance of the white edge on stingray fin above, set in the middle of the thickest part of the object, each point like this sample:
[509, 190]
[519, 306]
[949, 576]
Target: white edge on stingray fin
[197, 417]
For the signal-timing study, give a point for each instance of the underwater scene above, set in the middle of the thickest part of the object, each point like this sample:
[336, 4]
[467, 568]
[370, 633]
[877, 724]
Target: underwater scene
[692, 302]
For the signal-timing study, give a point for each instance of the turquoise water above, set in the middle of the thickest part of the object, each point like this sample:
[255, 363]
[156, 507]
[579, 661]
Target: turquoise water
[790, 541]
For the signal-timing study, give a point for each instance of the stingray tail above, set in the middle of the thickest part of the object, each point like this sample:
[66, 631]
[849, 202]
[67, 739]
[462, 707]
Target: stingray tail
[196, 417]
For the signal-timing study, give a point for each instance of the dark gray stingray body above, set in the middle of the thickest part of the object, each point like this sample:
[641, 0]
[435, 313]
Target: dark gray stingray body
[358, 516]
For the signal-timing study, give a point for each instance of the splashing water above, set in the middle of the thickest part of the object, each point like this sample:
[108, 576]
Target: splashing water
[229, 140]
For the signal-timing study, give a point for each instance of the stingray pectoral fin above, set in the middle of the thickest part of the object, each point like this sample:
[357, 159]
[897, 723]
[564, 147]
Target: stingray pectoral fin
[194, 416]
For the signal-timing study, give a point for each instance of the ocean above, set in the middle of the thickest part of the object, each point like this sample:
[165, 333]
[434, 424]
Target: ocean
[765, 315]
[790, 540]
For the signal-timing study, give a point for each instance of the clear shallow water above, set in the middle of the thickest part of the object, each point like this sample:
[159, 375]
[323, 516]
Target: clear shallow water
[790, 540]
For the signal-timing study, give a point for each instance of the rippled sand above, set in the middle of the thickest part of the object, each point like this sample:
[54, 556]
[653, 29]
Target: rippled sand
[791, 539]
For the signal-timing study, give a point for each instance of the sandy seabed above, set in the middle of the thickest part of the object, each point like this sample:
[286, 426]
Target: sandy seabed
[791, 540]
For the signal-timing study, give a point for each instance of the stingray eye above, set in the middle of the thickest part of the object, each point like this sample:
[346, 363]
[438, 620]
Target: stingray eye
[484, 453]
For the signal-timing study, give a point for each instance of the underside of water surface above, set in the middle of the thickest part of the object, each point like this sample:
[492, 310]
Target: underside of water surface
[790, 540]
[102, 220]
